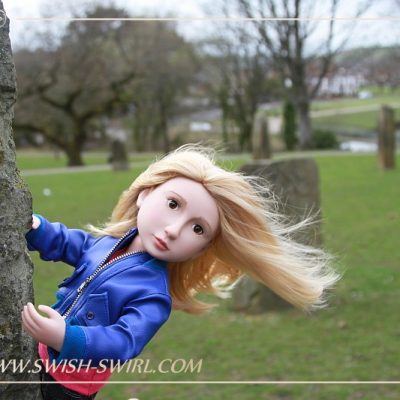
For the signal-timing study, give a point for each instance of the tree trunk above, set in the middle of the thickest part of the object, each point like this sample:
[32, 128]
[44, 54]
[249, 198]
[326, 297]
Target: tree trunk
[137, 132]
[224, 106]
[245, 133]
[224, 124]
[261, 146]
[15, 265]
[303, 117]
[249, 133]
[164, 129]
[74, 156]
[119, 155]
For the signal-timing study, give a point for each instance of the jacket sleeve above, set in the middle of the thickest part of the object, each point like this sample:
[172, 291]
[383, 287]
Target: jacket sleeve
[55, 242]
[124, 340]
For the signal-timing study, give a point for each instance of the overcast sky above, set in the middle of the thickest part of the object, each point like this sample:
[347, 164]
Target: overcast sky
[383, 32]
[36, 8]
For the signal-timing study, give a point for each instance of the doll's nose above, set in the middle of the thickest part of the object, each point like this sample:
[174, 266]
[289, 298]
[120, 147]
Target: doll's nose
[172, 230]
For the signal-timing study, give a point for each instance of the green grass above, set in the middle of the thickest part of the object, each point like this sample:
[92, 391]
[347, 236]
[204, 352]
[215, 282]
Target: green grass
[367, 120]
[346, 102]
[382, 91]
[35, 160]
[356, 338]
[354, 102]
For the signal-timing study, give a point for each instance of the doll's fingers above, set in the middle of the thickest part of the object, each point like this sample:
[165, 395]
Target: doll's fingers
[27, 326]
[49, 311]
[35, 318]
[30, 332]
[29, 319]
[31, 310]
[25, 320]
[24, 324]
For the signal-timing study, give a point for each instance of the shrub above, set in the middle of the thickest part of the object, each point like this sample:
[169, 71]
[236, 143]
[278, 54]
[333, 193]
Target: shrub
[324, 139]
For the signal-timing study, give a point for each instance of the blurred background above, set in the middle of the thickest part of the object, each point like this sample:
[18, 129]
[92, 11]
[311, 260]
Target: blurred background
[157, 84]
[92, 92]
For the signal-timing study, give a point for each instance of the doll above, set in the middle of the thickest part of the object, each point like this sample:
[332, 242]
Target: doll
[184, 226]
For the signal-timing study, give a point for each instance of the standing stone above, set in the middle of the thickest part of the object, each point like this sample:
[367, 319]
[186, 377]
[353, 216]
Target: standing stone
[386, 138]
[119, 156]
[296, 183]
[16, 268]
[261, 143]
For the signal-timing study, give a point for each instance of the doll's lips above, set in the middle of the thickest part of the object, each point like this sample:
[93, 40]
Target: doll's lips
[161, 244]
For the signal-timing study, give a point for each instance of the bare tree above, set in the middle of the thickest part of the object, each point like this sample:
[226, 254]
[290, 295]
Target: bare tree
[16, 213]
[382, 67]
[236, 62]
[170, 67]
[287, 39]
[104, 69]
[66, 89]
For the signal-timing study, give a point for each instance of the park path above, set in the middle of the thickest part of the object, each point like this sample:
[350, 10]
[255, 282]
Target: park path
[349, 110]
[275, 122]
[144, 164]
[74, 170]
[275, 128]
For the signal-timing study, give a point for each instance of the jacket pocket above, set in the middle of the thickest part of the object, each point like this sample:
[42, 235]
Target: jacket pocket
[74, 275]
[95, 311]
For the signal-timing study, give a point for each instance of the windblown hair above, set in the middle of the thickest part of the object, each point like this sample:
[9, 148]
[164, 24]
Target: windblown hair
[252, 238]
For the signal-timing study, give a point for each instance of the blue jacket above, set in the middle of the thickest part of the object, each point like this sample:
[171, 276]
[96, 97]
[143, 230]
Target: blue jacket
[111, 313]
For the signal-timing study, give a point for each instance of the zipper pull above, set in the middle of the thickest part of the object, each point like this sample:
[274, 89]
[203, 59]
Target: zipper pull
[82, 286]
[85, 283]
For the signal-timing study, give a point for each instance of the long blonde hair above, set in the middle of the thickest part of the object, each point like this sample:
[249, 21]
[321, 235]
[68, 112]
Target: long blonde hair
[252, 237]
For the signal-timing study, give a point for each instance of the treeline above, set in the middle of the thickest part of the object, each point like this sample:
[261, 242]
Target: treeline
[72, 90]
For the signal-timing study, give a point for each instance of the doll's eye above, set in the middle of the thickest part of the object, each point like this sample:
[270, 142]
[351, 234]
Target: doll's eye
[172, 204]
[198, 229]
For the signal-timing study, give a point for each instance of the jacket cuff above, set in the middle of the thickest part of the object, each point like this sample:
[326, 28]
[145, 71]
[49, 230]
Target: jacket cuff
[73, 348]
[35, 235]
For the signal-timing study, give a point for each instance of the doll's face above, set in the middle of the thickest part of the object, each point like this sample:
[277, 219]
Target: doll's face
[182, 214]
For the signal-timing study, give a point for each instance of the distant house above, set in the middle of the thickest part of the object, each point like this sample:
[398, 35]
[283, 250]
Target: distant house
[338, 82]
[200, 126]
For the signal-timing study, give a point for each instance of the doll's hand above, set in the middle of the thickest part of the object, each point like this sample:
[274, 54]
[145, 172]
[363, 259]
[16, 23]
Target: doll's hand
[50, 331]
[35, 222]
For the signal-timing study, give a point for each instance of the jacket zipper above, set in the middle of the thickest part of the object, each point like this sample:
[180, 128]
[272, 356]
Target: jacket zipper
[86, 282]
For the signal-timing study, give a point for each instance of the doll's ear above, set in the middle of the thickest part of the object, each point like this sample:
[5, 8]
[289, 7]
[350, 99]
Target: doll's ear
[142, 195]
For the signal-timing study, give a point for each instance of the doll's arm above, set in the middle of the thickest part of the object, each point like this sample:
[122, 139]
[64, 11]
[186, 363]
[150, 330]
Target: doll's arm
[55, 242]
[50, 331]
[124, 340]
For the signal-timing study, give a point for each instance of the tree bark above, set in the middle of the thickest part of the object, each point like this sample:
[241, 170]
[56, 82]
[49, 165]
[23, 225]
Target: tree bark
[162, 126]
[15, 220]
[305, 129]
[245, 136]
[74, 156]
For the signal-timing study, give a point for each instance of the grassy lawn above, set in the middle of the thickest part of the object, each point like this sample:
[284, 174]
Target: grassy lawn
[367, 120]
[343, 103]
[356, 338]
[354, 102]
[36, 160]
